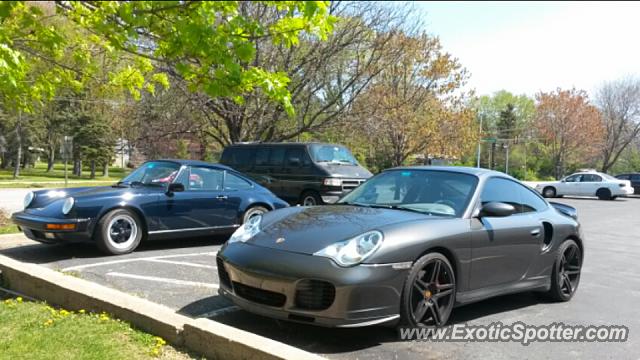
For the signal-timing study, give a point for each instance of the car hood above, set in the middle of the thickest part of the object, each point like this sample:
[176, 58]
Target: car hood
[309, 229]
[346, 170]
[44, 198]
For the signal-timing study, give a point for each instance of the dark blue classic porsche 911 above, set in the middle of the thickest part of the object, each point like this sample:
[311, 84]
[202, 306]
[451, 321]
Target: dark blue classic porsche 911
[160, 199]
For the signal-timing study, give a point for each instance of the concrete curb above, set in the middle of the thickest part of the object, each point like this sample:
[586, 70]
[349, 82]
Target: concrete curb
[204, 336]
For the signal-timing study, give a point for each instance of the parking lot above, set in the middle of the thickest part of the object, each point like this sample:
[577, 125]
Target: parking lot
[182, 275]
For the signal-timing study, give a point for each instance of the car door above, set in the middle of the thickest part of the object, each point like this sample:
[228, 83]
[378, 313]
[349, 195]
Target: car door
[635, 182]
[296, 173]
[590, 183]
[203, 203]
[503, 247]
[570, 185]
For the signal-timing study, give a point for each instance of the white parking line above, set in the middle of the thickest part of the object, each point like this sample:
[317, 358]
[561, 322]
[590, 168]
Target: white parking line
[219, 311]
[180, 263]
[163, 280]
[111, 262]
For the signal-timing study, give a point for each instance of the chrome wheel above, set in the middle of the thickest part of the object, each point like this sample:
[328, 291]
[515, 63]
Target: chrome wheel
[122, 231]
[309, 200]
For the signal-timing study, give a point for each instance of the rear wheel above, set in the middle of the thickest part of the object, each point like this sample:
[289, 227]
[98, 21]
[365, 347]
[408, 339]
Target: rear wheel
[549, 192]
[565, 276]
[119, 232]
[253, 211]
[429, 292]
[603, 194]
[310, 198]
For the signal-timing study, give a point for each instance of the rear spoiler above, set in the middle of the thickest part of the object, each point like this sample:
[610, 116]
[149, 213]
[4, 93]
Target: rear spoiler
[565, 209]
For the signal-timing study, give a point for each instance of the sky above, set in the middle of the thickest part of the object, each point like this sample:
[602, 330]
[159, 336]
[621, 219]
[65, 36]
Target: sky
[530, 47]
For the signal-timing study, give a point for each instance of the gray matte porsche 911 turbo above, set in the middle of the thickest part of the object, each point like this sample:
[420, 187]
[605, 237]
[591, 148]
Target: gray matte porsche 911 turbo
[405, 247]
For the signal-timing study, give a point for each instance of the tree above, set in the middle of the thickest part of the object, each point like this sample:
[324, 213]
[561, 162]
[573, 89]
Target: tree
[208, 44]
[571, 127]
[619, 102]
[409, 109]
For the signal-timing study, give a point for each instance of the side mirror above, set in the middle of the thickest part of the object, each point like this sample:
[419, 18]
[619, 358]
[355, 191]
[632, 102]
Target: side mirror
[294, 162]
[175, 187]
[496, 209]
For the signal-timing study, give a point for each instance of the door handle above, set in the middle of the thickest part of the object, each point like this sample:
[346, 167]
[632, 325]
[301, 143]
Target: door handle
[222, 197]
[535, 232]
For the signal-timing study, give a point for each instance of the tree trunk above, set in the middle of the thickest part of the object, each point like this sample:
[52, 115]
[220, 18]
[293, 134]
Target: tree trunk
[105, 169]
[52, 154]
[93, 169]
[16, 169]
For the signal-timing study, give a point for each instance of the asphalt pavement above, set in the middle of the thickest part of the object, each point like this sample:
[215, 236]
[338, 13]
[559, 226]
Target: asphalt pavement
[182, 275]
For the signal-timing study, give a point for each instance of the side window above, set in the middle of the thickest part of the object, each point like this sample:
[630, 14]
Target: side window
[242, 157]
[635, 177]
[276, 156]
[205, 179]
[531, 202]
[574, 178]
[591, 178]
[262, 156]
[502, 190]
[296, 157]
[233, 182]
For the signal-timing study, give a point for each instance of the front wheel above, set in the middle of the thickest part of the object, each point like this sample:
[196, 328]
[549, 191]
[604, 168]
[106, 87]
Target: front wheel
[310, 198]
[253, 211]
[119, 232]
[565, 276]
[429, 292]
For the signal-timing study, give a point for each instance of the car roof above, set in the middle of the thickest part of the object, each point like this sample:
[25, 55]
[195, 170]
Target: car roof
[480, 172]
[195, 163]
[280, 144]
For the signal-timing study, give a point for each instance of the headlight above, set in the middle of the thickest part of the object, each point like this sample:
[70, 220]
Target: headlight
[68, 205]
[246, 231]
[353, 251]
[28, 199]
[332, 182]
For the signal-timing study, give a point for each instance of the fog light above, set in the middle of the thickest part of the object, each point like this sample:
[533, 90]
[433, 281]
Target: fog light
[50, 235]
[61, 226]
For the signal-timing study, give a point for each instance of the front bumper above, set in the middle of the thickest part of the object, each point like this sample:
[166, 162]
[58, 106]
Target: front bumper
[35, 228]
[274, 283]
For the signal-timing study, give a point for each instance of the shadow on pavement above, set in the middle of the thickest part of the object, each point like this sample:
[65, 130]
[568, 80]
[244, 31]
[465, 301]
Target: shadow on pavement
[335, 340]
[44, 253]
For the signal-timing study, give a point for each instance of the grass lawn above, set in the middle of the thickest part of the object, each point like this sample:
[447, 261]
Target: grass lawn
[33, 330]
[6, 226]
[38, 177]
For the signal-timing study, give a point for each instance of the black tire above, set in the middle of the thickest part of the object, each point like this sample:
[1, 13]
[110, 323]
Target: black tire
[428, 302]
[119, 232]
[310, 198]
[253, 211]
[603, 194]
[549, 192]
[565, 276]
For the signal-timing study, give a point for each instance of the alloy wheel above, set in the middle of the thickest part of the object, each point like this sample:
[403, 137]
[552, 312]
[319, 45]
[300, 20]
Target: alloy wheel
[569, 269]
[432, 295]
[123, 230]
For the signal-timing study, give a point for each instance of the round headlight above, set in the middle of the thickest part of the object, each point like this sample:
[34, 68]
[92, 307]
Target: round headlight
[28, 199]
[68, 205]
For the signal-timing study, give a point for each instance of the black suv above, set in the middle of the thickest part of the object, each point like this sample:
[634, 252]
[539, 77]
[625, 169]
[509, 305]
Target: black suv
[634, 178]
[303, 173]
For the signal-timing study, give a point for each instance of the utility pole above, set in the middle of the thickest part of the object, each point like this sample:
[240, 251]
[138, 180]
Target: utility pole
[479, 140]
[506, 162]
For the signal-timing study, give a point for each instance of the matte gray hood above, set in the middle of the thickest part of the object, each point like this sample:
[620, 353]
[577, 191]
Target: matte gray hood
[309, 229]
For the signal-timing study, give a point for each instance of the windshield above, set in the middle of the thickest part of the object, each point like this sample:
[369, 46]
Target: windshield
[332, 154]
[426, 191]
[153, 173]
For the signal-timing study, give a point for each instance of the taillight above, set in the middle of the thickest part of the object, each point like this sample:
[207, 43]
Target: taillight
[622, 185]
